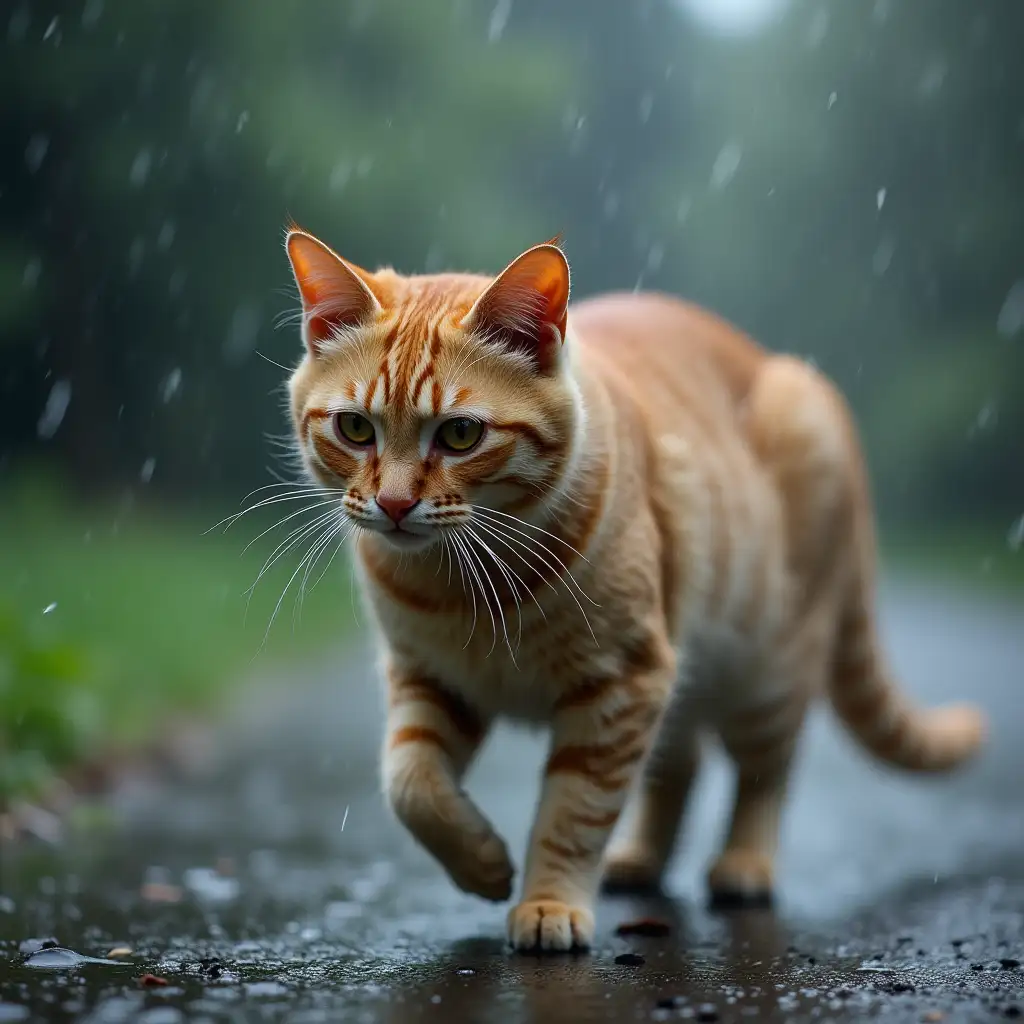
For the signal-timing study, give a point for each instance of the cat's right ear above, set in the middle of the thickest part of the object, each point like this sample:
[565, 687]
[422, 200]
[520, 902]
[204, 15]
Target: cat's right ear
[335, 293]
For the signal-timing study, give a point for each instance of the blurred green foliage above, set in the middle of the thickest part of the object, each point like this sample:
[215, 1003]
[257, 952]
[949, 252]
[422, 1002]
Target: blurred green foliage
[116, 624]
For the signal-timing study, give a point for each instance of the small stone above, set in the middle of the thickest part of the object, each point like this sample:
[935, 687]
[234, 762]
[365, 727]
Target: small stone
[977, 967]
[119, 951]
[933, 1016]
[1008, 963]
[648, 927]
[1012, 1011]
[707, 1012]
[630, 960]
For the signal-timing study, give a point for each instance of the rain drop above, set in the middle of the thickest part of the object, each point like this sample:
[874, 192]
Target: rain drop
[35, 152]
[91, 12]
[726, 165]
[499, 19]
[51, 28]
[880, 198]
[1011, 315]
[832, 97]
[165, 239]
[1015, 537]
[53, 412]
[243, 120]
[30, 275]
[170, 385]
[141, 165]
[51, 607]
[146, 473]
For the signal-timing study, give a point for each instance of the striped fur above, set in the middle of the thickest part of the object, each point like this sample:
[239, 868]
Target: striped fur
[665, 531]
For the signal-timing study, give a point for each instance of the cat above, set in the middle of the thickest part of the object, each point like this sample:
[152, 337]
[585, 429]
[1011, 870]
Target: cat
[624, 520]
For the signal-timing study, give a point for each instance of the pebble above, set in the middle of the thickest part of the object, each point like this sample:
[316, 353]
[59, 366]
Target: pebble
[630, 960]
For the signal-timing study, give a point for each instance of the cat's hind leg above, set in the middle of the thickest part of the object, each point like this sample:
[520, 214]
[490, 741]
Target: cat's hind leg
[639, 856]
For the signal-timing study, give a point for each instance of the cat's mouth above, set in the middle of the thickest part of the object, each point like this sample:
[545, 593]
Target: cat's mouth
[406, 540]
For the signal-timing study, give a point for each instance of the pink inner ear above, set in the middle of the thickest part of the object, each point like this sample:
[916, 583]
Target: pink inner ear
[333, 293]
[525, 307]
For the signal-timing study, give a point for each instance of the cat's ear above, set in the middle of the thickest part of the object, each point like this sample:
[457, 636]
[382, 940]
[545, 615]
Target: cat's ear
[525, 307]
[335, 294]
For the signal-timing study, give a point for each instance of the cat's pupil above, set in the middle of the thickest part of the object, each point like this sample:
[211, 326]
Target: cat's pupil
[461, 429]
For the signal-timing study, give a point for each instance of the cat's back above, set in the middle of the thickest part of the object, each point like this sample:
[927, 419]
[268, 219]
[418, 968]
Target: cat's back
[667, 351]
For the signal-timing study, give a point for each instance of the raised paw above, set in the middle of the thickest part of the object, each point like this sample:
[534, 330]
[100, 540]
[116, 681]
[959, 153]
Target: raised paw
[482, 867]
[550, 926]
[741, 878]
[631, 871]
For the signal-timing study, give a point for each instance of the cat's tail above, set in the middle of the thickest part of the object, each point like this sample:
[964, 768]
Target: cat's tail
[869, 700]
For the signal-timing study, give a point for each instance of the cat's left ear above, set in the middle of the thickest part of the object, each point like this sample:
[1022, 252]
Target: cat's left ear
[525, 308]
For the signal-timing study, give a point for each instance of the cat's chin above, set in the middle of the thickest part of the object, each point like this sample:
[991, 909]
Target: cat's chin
[404, 541]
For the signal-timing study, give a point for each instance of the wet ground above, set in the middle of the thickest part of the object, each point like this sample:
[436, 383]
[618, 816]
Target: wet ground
[280, 890]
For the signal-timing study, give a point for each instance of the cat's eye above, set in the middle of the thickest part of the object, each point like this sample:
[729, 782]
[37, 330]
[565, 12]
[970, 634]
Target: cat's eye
[459, 434]
[354, 428]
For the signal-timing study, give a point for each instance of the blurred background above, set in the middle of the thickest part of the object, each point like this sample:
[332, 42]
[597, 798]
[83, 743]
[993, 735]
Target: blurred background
[844, 181]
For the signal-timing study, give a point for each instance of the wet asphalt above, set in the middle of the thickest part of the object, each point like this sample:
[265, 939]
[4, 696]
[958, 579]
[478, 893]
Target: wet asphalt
[285, 893]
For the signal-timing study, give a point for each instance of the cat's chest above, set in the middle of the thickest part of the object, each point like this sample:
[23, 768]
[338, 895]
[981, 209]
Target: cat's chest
[506, 669]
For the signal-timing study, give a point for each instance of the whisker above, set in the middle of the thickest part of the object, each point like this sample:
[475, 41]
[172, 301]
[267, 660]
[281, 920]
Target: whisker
[292, 515]
[320, 547]
[523, 522]
[505, 572]
[494, 626]
[473, 577]
[539, 544]
[508, 541]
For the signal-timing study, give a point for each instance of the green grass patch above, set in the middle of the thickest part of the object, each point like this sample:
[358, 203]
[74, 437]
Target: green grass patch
[113, 622]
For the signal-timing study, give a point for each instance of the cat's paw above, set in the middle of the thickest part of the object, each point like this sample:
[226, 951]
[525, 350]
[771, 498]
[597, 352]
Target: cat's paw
[631, 871]
[549, 926]
[741, 878]
[482, 867]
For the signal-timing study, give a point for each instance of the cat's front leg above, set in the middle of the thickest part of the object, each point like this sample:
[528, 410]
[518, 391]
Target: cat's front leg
[601, 734]
[432, 736]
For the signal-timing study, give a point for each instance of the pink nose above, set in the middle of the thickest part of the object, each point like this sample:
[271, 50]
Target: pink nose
[396, 508]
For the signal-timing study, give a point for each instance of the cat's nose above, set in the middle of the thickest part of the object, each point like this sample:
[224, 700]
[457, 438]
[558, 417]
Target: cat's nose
[396, 508]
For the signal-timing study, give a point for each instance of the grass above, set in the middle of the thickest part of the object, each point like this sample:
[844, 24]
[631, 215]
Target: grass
[114, 623]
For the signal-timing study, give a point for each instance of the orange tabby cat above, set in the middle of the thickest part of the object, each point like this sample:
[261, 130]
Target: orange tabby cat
[623, 520]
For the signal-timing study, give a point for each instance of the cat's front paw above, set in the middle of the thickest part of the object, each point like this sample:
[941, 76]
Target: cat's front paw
[549, 926]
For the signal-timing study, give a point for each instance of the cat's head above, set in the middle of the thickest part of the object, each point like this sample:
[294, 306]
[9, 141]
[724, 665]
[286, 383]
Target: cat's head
[428, 401]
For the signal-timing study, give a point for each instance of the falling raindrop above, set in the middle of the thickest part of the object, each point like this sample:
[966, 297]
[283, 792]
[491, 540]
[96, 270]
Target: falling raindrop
[1011, 315]
[165, 239]
[53, 412]
[499, 19]
[170, 385]
[140, 168]
[35, 152]
[51, 607]
[146, 473]
[880, 198]
[91, 12]
[51, 28]
[832, 97]
[1015, 537]
[726, 165]
[243, 120]
[30, 275]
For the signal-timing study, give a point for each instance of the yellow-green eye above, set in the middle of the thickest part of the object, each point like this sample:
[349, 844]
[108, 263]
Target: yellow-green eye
[459, 434]
[354, 428]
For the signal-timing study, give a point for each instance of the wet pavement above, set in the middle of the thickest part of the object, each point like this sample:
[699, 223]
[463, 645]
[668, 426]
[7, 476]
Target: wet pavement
[280, 890]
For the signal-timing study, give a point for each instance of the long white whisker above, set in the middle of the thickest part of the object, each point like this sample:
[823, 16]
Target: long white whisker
[474, 578]
[537, 543]
[504, 541]
[508, 541]
[523, 522]
[483, 569]
[322, 544]
[302, 511]
[510, 579]
[334, 554]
